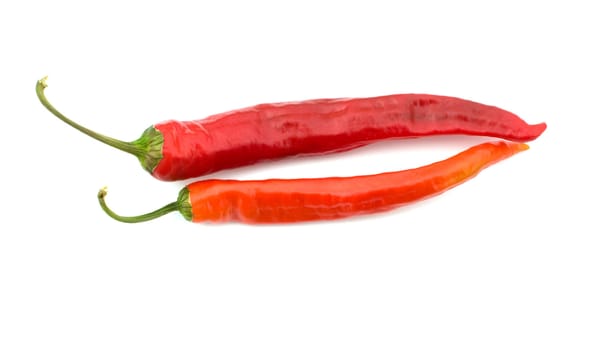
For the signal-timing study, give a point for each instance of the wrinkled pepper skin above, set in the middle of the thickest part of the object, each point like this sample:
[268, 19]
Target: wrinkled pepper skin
[176, 150]
[298, 200]
[273, 131]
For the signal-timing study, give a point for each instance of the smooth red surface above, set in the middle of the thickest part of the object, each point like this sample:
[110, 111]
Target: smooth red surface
[275, 201]
[271, 131]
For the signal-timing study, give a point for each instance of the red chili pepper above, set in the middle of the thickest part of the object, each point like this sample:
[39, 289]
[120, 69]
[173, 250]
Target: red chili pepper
[175, 150]
[295, 200]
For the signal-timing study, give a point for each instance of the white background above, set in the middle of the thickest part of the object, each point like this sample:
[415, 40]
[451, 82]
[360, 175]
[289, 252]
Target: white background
[501, 262]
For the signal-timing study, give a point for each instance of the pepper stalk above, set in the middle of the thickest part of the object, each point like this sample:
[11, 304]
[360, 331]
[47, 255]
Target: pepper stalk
[147, 148]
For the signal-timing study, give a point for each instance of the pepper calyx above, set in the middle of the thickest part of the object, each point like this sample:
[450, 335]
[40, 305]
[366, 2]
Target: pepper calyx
[183, 204]
[150, 146]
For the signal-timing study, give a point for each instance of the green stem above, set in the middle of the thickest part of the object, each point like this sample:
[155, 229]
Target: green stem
[129, 147]
[174, 206]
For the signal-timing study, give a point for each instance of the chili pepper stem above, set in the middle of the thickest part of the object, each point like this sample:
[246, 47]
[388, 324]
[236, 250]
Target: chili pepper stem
[147, 148]
[122, 145]
[135, 219]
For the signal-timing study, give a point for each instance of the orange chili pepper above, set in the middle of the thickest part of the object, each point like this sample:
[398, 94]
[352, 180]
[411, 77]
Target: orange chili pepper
[297, 200]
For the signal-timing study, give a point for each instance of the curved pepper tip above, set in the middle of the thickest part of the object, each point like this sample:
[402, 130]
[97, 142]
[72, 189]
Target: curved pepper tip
[514, 147]
[522, 147]
[536, 130]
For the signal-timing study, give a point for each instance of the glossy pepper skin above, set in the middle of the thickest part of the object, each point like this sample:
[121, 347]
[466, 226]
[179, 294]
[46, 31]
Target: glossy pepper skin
[175, 150]
[299, 200]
